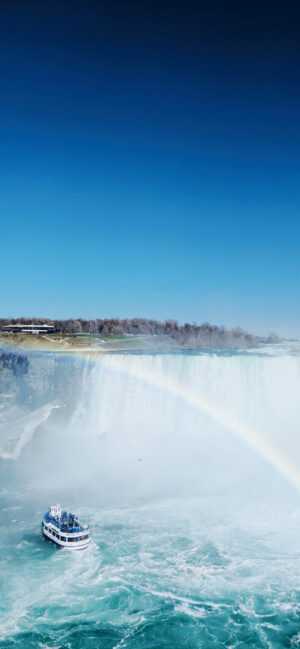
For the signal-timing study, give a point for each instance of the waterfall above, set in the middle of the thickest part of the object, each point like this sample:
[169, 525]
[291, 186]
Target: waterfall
[255, 398]
[170, 422]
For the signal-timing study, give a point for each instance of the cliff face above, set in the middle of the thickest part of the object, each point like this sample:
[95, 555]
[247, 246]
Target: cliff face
[17, 363]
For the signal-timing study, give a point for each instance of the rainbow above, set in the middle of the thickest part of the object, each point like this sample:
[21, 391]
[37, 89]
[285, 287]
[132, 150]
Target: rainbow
[253, 438]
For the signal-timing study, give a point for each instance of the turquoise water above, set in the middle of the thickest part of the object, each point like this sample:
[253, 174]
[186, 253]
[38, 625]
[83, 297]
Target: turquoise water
[195, 537]
[164, 575]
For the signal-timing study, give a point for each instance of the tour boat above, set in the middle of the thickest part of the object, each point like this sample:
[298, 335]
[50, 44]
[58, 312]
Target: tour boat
[64, 529]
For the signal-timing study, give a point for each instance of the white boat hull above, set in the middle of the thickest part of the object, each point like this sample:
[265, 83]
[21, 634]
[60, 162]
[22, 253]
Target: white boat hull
[64, 540]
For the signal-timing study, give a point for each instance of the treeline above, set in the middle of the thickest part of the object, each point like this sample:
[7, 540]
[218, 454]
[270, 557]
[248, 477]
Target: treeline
[204, 335]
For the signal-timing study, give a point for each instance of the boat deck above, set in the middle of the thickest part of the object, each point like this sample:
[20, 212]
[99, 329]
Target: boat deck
[66, 523]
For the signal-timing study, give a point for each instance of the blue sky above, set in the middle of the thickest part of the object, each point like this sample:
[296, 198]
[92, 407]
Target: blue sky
[150, 164]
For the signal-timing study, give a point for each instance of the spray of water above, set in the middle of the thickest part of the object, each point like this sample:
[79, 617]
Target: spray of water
[151, 373]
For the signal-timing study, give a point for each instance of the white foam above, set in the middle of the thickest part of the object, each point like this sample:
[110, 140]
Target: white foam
[23, 431]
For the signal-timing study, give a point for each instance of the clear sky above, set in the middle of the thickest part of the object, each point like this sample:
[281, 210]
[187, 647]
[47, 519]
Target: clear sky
[150, 161]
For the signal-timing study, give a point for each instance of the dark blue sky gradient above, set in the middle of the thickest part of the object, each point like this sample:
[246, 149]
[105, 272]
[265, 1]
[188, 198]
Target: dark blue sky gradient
[150, 161]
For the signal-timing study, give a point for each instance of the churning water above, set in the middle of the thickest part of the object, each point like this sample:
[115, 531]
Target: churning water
[186, 467]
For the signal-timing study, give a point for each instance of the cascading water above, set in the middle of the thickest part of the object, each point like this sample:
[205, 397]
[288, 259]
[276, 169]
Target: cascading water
[187, 468]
